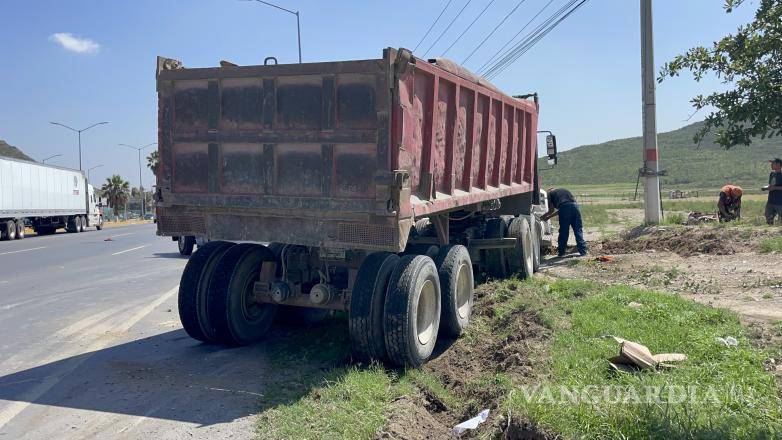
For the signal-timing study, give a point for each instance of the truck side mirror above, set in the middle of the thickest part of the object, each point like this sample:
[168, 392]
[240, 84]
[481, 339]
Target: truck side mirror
[551, 149]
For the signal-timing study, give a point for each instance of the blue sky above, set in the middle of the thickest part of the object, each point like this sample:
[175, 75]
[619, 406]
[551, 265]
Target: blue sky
[587, 71]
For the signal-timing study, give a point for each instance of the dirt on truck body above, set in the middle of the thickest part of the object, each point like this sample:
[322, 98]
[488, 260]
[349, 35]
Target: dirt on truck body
[378, 184]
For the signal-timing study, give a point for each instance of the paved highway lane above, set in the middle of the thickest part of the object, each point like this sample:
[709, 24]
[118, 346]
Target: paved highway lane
[92, 346]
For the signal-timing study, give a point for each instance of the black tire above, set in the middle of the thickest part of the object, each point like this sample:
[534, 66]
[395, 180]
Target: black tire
[194, 288]
[412, 311]
[20, 232]
[8, 231]
[237, 321]
[494, 259]
[185, 244]
[81, 223]
[99, 226]
[457, 284]
[424, 228]
[520, 258]
[367, 304]
[429, 250]
[71, 225]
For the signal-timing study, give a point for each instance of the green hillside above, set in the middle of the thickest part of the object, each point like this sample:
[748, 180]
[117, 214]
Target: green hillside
[688, 165]
[11, 151]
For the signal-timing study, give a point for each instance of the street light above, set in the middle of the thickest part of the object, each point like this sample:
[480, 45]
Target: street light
[298, 23]
[140, 184]
[90, 169]
[79, 132]
[50, 157]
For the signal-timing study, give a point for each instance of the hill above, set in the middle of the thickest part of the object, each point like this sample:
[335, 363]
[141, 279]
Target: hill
[11, 151]
[688, 165]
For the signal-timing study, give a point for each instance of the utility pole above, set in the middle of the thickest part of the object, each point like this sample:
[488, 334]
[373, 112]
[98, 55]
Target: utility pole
[298, 20]
[90, 169]
[79, 132]
[140, 184]
[651, 168]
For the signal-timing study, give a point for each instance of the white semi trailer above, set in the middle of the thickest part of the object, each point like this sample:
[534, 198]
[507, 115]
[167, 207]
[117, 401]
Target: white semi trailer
[45, 198]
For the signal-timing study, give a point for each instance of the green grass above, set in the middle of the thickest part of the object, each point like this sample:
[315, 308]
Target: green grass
[736, 399]
[772, 244]
[615, 163]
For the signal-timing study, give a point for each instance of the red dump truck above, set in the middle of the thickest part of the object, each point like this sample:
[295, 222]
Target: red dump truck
[376, 187]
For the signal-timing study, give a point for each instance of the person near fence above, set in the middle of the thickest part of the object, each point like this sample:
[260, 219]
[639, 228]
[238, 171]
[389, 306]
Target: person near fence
[774, 188]
[562, 203]
[729, 204]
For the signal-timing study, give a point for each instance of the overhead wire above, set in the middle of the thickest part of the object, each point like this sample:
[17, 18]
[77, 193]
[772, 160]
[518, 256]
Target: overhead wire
[494, 57]
[458, 14]
[433, 24]
[467, 28]
[493, 31]
[532, 38]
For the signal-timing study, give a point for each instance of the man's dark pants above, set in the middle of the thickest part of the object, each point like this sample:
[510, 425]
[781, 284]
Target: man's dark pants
[570, 217]
[771, 212]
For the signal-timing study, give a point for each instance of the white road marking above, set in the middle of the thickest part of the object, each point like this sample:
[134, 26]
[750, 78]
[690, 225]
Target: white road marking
[74, 361]
[23, 250]
[121, 235]
[131, 249]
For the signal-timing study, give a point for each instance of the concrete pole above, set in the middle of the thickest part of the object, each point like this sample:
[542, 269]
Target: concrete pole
[652, 208]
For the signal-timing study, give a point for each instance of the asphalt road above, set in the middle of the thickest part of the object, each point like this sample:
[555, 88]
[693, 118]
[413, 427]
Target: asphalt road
[91, 345]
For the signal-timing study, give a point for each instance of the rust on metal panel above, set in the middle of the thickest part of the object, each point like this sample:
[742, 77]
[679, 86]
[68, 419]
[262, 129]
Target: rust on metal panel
[342, 154]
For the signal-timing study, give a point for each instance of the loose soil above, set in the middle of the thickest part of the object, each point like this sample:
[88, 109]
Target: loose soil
[460, 364]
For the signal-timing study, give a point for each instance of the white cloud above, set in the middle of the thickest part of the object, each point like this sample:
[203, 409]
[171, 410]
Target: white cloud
[75, 44]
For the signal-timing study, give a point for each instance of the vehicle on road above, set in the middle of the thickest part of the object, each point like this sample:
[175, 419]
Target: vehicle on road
[381, 186]
[46, 198]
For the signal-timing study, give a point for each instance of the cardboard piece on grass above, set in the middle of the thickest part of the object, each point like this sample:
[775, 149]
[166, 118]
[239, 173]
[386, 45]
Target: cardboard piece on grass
[634, 356]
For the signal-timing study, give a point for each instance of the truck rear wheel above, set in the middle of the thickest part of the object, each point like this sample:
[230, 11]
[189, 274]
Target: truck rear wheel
[99, 225]
[194, 288]
[81, 223]
[237, 318]
[520, 258]
[8, 230]
[185, 244]
[537, 232]
[367, 303]
[20, 233]
[412, 311]
[456, 283]
[71, 225]
[495, 264]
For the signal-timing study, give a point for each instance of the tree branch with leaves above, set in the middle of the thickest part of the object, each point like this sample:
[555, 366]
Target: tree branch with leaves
[749, 62]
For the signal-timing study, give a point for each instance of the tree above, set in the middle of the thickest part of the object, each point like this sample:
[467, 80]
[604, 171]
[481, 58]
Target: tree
[116, 191]
[749, 62]
[153, 161]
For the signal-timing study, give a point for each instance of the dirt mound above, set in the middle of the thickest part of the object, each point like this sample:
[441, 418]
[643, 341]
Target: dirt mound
[468, 371]
[684, 241]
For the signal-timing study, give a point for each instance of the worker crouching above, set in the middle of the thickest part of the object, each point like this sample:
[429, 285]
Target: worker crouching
[729, 204]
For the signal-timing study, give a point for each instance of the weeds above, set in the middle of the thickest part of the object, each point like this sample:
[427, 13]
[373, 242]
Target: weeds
[771, 244]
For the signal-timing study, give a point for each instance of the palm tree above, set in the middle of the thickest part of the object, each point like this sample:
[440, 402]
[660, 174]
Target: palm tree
[153, 161]
[116, 190]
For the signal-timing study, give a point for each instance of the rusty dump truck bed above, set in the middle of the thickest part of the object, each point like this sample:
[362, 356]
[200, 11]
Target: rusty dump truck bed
[338, 154]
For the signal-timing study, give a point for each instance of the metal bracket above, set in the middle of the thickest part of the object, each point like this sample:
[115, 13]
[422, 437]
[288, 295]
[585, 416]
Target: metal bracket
[646, 172]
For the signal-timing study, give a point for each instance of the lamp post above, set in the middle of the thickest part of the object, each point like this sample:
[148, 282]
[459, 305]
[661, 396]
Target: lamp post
[298, 22]
[140, 184]
[50, 157]
[90, 169]
[79, 132]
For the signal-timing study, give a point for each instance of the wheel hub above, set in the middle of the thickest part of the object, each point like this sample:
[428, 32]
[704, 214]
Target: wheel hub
[426, 311]
[463, 290]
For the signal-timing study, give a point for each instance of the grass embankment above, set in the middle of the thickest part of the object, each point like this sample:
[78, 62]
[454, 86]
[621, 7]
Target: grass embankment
[727, 393]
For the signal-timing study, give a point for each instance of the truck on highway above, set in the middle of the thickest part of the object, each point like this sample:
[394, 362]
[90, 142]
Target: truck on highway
[376, 187]
[45, 198]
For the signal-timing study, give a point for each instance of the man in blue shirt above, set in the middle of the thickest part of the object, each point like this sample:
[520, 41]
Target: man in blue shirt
[562, 203]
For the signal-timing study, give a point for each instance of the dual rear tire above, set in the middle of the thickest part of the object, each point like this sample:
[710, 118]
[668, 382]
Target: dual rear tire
[399, 306]
[216, 302]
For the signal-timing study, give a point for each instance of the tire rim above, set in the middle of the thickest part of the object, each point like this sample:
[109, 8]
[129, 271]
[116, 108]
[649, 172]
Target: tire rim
[426, 311]
[527, 243]
[463, 291]
[251, 309]
[180, 244]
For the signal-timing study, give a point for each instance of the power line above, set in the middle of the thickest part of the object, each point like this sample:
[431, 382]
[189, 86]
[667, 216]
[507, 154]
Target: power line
[533, 38]
[493, 57]
[493, 31]
[467, 29]
[448, 27]
[432, 26]
[523, 49]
